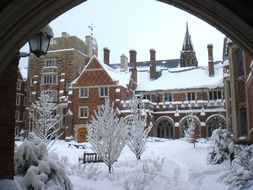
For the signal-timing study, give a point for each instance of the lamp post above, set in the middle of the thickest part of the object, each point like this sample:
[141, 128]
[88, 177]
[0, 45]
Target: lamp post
[40, 42]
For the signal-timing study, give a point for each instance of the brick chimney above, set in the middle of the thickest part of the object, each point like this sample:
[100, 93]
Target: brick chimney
[123, 63]
[210, 60]
[152, 64]
[106, 55]
[133, 84]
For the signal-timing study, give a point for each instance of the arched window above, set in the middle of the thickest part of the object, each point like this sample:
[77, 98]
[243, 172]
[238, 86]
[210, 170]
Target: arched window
[214, 122]
[185, 121]
[165, 128]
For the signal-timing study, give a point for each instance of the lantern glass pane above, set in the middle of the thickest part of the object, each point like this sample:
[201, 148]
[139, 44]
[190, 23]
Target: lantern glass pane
[34, 43]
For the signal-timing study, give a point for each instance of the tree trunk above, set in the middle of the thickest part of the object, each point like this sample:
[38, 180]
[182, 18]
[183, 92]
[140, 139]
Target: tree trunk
[110, 169]
[138, 156]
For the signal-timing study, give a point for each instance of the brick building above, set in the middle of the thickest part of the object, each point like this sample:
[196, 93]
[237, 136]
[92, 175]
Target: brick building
[170, 93]
[238, 86]
[53, 72]
[20, 102]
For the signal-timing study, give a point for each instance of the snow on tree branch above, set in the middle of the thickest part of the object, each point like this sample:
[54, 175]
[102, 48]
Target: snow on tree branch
[46, 119]
[107, 134]
[138, 129]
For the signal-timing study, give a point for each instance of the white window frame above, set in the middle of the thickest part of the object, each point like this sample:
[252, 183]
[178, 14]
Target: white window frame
[49, 79]
[80, 112]
[102, 91]
[50, 63]
[169, 94]
[191, 95]
[18, 99]
[19, 83]
[83, 92]
[51, 92]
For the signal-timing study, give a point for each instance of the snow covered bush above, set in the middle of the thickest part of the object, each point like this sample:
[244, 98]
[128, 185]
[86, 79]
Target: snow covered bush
[138, 129]
[222, 148]
[45, 120]
[107, 134]
[37, 169]
[191, 131]
[241, 174]
[143, 178]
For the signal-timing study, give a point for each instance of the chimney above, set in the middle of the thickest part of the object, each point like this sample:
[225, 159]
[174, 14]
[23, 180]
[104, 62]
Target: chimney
[210, 60]
[133, 54]
[106, 55]
[152, 64]
[123, 63]
[133, 69]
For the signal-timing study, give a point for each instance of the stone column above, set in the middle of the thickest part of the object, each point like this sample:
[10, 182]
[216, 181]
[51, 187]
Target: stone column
[8, 80]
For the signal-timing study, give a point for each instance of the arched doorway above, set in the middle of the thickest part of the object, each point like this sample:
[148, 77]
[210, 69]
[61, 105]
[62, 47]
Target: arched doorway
[185, 122]
[165, 127]
[214, 122]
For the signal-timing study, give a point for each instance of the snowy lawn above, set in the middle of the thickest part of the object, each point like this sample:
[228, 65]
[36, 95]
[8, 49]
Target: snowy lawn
[165, 164]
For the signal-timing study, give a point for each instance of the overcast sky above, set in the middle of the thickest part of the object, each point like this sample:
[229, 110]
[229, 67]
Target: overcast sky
[122, 25]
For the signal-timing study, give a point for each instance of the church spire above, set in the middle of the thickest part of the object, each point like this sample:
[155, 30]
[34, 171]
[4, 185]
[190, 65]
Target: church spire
[187, 46]
[188, 56]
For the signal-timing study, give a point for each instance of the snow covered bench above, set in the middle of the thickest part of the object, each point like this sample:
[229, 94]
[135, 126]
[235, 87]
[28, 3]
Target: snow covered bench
[90, 157]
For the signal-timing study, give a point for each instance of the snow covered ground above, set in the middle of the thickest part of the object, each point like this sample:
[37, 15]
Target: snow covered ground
[165, 164]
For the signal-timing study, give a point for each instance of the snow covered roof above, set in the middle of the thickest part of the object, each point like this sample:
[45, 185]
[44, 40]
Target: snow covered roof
[122, 78]
[181, 78]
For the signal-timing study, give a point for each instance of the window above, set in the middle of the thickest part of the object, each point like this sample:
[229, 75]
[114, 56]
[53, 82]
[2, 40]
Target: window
[50, 63]
[83, 92]
[103, 91]
[168, 97]
[191, 96]
[146, 97]
[18, 99]
[83, 112]
[17, 116]
[49, 79]
[214, 95]
[19, 82]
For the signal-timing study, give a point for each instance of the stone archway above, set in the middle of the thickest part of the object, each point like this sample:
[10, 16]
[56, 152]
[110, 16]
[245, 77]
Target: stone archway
[214, 122]
[164, 127]
[185, 121]
[19, 21]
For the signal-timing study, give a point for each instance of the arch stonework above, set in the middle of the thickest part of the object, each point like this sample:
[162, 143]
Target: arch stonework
[184, 119]
[165, 127]
[215, 118]
[20, 20]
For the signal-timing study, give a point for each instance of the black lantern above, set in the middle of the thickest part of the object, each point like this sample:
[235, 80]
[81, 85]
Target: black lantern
[40, 42]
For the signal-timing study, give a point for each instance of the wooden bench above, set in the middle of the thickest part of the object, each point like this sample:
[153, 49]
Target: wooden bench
[76, 145]
[90, 157]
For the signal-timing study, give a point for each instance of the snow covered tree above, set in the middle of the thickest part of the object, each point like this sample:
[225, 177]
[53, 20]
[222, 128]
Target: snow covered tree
[222, 148]
[138, 129]
[36, 168]
[107, 134]
[45, 118]
[191, 131]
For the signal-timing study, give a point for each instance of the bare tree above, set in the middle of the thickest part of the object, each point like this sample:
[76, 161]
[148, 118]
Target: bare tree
[107, 134]
[45, 119]
[138, 128]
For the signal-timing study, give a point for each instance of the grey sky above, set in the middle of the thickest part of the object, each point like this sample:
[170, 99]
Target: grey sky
[122, 25]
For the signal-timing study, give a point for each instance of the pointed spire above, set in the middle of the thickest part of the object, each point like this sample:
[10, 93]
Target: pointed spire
[187, 45]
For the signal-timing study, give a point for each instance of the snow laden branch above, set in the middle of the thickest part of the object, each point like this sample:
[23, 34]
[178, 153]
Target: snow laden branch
[107, 134]
[222, 146]
[46, 119]
[38, 169]
[138, 128]
[191, 131]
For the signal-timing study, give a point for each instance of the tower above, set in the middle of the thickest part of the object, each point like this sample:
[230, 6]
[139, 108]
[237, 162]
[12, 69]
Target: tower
[188, 55]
